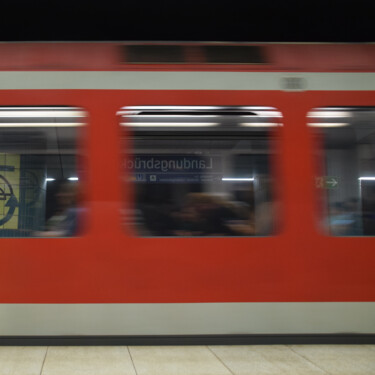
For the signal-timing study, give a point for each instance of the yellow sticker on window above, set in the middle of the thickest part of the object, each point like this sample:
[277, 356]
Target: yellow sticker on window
[9, 190]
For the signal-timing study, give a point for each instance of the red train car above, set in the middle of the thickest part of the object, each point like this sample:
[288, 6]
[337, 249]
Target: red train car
[193, 192]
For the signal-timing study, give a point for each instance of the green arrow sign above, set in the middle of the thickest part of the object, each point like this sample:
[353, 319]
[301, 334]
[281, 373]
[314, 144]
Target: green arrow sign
[326, 182]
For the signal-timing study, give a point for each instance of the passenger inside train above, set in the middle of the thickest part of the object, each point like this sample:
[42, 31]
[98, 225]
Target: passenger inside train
[196, 171]
[201, 171]
[64, 221]
[39, 171]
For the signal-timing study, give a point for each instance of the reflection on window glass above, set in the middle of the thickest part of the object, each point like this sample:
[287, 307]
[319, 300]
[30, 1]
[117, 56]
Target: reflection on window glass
[200, 171]
[346, 178]
[38, 171]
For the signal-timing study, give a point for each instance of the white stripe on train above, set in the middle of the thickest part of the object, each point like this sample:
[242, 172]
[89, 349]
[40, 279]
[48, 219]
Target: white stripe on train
[187, 318]
[115, 80]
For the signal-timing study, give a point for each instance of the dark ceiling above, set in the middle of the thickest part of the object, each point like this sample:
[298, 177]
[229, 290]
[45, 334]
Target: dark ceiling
[204, 20]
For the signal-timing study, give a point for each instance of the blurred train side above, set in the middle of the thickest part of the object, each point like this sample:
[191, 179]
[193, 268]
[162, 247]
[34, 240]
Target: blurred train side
[110, 282]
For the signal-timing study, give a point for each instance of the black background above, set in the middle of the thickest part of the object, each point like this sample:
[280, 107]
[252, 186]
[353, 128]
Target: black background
[204, 20]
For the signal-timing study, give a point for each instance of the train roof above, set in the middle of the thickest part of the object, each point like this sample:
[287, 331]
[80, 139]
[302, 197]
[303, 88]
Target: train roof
[186, 56]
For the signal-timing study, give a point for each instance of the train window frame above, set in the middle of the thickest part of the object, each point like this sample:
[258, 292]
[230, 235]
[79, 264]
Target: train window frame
[333, 217]
[266, 118]
[57, 127]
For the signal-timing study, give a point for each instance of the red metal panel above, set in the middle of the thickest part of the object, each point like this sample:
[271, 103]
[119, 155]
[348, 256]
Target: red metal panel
[109, 56]
[109, 265]
[58, 56]
[323, 57]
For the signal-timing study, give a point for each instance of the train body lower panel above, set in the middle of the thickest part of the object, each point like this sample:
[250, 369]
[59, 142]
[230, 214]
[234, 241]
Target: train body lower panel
[187, 319]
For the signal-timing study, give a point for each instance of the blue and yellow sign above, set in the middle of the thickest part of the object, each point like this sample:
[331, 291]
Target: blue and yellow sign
[9, 190]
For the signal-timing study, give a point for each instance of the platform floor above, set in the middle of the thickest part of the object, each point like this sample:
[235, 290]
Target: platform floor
[188, 360]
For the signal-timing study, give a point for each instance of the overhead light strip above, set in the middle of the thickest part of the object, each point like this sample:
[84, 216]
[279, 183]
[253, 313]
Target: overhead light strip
[16, 108]
[38, 114]
[328, 124]
[172, 116]
[328, 114]
[161, 107]
[266, 114]
[167, 124]
[40, 124]
[260, 124]
[237, 179]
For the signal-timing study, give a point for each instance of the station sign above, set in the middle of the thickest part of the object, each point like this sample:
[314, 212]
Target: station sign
[170, 168]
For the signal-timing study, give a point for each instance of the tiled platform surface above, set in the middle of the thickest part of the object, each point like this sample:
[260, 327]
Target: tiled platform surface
[189, 360]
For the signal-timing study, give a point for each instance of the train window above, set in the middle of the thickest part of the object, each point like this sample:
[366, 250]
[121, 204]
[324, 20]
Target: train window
[234, 54]
[39, 171]
[346, 174]
[154, 54]
[200, 171]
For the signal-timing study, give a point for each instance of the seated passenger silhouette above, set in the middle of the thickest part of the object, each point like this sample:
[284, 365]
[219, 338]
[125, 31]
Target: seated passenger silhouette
[64, 222]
